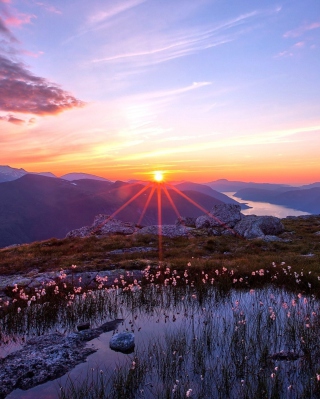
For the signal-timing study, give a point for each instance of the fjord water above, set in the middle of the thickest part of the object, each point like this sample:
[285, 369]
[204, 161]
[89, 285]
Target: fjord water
[266, 209]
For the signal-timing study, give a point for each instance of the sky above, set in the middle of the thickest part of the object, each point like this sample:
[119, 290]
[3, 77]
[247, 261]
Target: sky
[200, 90]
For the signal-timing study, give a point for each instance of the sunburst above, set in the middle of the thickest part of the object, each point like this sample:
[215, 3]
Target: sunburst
[158, 176]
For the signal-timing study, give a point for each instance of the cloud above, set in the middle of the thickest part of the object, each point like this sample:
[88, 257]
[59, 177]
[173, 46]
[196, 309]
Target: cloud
[5, 32]
[23, 92]
[19, 19]
[12, 119]
[157, 47]
[302, 29]
[266, 138]
[102, 16]
[48, 8]
[99, 19]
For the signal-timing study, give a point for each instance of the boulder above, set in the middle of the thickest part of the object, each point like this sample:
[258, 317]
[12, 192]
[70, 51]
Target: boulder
[122, 342]
[252, 226]
[186, 221]
[223, 216]
[104, 225]
[169, 230]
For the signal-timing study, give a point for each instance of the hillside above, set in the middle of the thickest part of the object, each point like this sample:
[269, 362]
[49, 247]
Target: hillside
[224, 185]
[299, 247]
[35, 207]
[203, 188]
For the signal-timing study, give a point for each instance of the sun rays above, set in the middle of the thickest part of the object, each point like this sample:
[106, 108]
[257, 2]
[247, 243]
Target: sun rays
[159, 188]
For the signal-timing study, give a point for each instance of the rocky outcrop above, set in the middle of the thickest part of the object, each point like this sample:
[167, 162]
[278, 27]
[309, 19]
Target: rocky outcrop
[223, 219]
[104, 225]
[169, 230]
[221, 216]
[47, 357]
[252, 226]
[186, 221]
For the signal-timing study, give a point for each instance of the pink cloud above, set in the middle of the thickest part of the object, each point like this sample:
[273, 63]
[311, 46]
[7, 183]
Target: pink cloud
[12, 119]
[32, 54]
[299, 44]
[23, 92]
[19, 19]
[4, 31]
[49, 8]
[302, 29]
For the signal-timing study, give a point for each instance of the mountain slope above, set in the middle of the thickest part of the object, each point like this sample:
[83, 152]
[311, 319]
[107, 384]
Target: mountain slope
[203, 188]
[36, 208]
[78, 176]
[224, 185]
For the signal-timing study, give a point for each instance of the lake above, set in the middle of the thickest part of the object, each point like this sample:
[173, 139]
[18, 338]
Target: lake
[265, 208]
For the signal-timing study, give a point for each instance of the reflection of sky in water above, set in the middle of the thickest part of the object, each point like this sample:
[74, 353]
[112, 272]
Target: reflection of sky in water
[151, 324]
[266, 209]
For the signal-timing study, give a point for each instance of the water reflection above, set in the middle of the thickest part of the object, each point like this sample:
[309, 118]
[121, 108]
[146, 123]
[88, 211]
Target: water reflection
[217, 343]
[266, 209]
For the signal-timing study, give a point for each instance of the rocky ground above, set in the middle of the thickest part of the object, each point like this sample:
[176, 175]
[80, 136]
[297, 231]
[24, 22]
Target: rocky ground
[223, 219]
[47, 357]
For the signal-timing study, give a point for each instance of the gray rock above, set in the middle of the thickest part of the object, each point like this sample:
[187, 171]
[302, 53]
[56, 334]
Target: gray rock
[222, 216]
[169, 230]
[122, 342]
[104, 225]
[186, 221]
[47, 357]
[252, 226]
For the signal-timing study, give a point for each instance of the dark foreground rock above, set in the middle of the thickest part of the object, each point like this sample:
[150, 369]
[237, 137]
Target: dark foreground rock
[47, 358]
[122, 342]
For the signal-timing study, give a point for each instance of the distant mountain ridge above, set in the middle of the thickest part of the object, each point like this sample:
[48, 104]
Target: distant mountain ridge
[36, 207]
[224, 185]
[79, 176]
[9, 174]
[203, 188]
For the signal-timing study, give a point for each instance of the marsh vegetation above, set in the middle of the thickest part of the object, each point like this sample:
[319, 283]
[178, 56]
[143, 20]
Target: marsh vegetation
[235, 325]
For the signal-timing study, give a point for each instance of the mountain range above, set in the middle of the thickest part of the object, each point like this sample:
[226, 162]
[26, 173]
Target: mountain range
[35, 207]
[38, 206]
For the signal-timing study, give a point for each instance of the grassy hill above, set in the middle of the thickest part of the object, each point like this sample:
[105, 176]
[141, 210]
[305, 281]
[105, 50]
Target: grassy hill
[299, 248]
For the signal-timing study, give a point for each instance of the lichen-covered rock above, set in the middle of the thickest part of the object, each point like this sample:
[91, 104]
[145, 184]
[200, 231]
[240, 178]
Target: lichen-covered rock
[221, 215]
[169, 230]
[252, 226]
[122, 342]
[104, 225]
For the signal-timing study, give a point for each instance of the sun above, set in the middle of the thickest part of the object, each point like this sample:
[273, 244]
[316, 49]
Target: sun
[158, 176]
